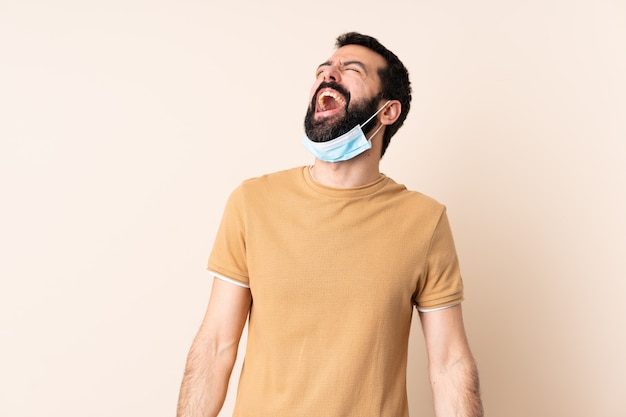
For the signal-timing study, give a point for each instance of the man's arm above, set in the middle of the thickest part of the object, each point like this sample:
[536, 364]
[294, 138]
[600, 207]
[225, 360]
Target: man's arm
[213, 351]
[453, 373]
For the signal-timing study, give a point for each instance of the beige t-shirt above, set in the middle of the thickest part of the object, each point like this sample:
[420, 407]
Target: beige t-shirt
[334, 275]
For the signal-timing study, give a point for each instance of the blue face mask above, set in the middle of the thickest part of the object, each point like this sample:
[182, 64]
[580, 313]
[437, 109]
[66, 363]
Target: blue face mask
[344, 147]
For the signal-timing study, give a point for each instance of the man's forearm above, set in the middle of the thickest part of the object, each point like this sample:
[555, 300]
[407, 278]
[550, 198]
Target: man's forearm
[456, 389]
[205, 382]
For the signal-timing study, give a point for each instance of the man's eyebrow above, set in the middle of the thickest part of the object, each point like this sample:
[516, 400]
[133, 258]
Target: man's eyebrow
[357, 63]
[324, 64]
[344, 64]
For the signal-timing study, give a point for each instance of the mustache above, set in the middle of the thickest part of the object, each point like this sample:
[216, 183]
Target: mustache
[335, 86]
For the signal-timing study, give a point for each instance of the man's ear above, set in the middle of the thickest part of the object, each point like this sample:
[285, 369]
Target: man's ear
[391, 112]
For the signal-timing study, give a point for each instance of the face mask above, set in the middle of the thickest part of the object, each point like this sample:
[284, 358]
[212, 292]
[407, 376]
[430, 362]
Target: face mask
[344, 147]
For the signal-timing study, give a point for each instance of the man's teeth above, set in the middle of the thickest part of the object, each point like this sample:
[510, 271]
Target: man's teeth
[331, 94]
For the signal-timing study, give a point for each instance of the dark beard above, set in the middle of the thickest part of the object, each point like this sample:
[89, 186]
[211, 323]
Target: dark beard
[324, 130]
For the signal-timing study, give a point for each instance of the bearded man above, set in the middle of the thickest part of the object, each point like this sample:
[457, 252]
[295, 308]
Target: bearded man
[328, 263]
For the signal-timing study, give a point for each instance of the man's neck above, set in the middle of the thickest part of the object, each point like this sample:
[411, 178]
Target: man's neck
[356, 172]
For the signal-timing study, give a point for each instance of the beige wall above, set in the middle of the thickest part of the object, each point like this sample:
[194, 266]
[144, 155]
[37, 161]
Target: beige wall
[124, 125]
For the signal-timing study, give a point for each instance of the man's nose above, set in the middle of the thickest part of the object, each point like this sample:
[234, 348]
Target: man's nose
[331, 73]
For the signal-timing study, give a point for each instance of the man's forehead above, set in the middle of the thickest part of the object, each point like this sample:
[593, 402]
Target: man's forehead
[360, 54]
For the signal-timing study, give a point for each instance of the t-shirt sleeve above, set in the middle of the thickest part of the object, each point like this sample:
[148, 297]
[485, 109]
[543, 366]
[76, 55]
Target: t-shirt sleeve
[441, 284]
[228, 256]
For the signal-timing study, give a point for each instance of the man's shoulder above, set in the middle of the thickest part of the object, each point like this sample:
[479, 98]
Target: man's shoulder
[274, 182]
[281, 177]
[414, 197]
[288, 174]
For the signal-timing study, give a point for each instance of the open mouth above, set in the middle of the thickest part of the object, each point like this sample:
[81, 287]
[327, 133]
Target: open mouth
[330, 100]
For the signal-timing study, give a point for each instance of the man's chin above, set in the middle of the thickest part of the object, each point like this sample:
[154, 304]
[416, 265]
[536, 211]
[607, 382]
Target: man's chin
[323, 126]
[324, 134]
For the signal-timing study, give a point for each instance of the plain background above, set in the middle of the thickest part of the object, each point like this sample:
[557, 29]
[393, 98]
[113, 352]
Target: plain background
[124, 126]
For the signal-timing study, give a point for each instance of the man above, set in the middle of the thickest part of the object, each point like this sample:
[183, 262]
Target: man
[327, 262]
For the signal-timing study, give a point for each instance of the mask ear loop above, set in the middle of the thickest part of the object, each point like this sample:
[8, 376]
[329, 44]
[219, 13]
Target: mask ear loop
[374, 134]
[377, 111]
